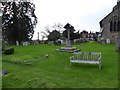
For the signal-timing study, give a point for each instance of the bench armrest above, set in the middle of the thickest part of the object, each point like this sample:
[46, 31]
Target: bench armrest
[71, 58]
[99, 59]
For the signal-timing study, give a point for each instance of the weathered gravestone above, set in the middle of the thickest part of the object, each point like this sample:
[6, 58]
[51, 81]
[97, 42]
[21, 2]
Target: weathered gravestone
[17, 43]
[36, 42]
[107, 41]
[25, 43]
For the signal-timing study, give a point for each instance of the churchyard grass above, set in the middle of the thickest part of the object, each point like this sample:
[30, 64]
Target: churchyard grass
[55, 71]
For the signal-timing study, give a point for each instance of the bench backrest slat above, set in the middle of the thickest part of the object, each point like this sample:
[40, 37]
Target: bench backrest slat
[93, 56]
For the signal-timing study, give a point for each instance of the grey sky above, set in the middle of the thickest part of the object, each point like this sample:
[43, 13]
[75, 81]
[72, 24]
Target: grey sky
[82, 14]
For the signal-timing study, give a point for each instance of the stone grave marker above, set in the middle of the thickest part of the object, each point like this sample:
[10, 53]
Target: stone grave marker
[17, 43]
[25, 43]
[36, 42]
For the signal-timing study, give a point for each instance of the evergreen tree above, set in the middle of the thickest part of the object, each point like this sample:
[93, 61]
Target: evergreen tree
[18, 21]
[73, 35]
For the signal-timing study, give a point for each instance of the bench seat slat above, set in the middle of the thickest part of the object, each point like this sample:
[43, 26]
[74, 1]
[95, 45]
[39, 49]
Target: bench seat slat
[84, 61]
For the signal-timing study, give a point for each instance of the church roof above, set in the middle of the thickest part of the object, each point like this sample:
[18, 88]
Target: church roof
[114, 8]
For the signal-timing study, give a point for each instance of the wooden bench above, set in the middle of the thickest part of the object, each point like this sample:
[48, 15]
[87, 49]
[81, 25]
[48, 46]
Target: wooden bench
[85, 57]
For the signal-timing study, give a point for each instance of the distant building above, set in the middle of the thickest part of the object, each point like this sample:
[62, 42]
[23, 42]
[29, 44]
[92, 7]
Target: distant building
[91, 36]
[110, 25]
[87, 36]
[84, 36]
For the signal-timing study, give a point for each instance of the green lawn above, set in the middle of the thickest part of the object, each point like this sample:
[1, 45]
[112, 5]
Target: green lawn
[55, 71]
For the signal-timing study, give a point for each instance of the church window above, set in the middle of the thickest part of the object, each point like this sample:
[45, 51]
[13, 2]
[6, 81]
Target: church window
[111, 26]
[114, 25]
[118, 26]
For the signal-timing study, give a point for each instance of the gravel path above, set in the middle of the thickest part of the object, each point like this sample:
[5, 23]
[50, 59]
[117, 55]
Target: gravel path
[86, 44]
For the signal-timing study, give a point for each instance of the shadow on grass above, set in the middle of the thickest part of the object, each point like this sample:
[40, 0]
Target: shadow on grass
[84, 66]
[30, 62]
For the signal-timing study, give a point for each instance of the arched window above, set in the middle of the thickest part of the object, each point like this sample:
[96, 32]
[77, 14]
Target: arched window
[111, 26]
[118, 26]
[114, 25]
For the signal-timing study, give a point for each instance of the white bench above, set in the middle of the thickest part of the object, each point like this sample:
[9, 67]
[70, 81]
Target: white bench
[85, 57]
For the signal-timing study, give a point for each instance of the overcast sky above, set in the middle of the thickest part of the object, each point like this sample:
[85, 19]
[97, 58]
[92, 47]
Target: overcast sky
[82, 14]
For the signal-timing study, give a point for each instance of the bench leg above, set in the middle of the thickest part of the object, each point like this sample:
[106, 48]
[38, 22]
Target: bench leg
[100, 66]
[70, 63]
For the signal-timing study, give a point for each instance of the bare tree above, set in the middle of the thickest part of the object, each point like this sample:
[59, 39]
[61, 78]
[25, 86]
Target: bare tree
[46, 32]
[43, 38]
[47, 29]
[57, 27]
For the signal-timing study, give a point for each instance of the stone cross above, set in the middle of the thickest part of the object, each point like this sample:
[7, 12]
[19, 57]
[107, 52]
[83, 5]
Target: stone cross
[68, 44]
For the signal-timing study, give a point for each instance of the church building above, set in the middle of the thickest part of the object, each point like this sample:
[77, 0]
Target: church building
[110, 25]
